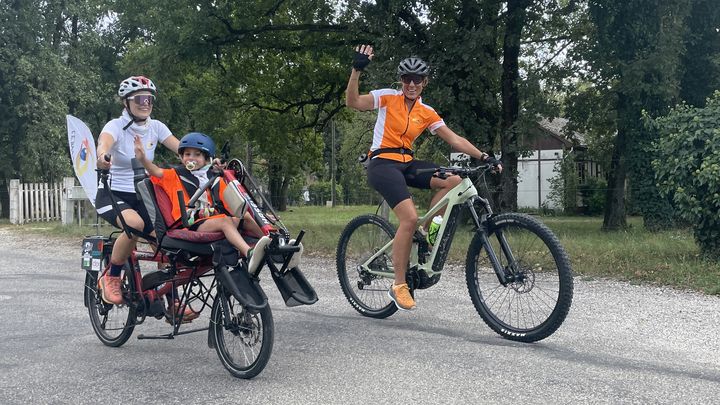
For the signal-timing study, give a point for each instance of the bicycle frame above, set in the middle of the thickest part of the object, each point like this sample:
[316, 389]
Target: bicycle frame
[464, 194]
[459, 195]
[150, 301]
[188, 270]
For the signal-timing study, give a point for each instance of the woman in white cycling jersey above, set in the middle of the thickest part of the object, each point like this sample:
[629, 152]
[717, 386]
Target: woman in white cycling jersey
[402, 117]
[117, 140]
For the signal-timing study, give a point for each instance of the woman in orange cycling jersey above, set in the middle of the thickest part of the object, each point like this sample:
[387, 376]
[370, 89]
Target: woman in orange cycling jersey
[402, 117]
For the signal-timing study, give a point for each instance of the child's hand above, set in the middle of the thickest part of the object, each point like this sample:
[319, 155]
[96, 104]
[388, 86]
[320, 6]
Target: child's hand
[139, 149]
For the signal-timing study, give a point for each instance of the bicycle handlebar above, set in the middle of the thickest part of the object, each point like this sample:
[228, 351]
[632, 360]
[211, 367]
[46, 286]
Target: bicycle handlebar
[444, 171]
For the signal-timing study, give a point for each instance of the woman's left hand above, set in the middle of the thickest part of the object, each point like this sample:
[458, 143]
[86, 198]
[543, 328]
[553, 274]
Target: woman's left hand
[496, 163]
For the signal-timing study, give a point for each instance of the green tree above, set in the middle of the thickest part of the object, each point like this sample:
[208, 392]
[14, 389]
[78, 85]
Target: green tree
[261, 72]
[688, 168]
[637, 46]
[701, 61]
[564, 186]
[356, 134]
[49, 66]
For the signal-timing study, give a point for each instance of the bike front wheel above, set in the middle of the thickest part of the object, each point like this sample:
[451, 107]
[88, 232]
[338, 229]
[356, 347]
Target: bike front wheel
[537, 295]
[367, 292]
[113, 324]
[243, 339]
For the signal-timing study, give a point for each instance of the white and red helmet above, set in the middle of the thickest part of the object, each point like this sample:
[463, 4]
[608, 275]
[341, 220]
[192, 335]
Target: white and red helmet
[134, 84]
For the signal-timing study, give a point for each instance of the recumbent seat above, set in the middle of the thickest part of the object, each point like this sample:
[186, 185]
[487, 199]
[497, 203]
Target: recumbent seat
[159, 208]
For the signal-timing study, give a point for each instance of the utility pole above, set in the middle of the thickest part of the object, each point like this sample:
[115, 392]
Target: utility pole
[332, 163]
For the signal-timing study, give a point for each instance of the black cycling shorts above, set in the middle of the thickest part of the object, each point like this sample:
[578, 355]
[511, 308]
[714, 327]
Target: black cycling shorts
[125, 201]
[391, 178]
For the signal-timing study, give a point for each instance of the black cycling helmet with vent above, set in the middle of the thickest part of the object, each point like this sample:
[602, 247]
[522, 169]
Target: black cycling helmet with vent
[413, 66]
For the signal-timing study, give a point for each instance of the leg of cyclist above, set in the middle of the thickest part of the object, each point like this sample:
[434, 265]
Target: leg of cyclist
[110, 283]
[407, 220]
[228, 226]
[442, 186]
[251, 227]
[389, 179]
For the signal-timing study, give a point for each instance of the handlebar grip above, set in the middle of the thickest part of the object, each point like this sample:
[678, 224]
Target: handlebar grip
[107, 157]
[421, 171]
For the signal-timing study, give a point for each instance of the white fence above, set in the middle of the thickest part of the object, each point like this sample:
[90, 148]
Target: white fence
[38, 202]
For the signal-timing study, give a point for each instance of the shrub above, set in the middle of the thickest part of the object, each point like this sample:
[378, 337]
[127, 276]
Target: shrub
[688, 168]
[320, 192]
[592, 193]
[564, 186]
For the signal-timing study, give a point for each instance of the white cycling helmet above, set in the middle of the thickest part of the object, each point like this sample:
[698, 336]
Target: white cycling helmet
[134, 84]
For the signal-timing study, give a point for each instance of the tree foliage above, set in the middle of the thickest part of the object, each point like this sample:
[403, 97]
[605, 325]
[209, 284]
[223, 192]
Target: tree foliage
[269, 76]
[636, 50]
[50, 66]
[260, 73]
[687, 167]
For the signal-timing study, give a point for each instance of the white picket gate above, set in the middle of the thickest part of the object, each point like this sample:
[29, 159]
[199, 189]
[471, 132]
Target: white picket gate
[38, 202]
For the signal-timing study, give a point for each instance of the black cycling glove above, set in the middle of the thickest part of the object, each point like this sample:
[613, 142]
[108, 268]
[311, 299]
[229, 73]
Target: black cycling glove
[360, 61]
[491, 160]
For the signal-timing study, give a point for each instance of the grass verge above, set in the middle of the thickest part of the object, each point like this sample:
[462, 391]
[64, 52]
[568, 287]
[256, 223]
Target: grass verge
[665, 258]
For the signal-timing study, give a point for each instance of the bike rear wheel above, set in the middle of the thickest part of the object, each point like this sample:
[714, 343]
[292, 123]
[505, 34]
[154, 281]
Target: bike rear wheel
[537, 297]
[366, 292]
[113, 324]
[243, 339]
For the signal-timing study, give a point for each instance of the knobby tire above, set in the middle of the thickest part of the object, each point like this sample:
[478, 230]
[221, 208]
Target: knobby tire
[535, 304]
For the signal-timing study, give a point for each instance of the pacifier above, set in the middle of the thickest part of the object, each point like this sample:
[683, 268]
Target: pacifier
[191, 165]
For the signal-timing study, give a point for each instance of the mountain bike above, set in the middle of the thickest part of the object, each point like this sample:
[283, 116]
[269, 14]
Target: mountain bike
[518, 274]
[206, 267]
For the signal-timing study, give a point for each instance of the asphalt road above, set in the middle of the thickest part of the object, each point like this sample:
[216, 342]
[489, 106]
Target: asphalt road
[621, 343]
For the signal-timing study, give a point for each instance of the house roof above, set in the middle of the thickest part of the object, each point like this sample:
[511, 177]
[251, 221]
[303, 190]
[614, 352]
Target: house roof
[556, 128]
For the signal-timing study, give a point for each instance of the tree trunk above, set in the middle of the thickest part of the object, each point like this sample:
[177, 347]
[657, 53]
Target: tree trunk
[615, 197]
[515, 21]
[4, 199]
[278, 186]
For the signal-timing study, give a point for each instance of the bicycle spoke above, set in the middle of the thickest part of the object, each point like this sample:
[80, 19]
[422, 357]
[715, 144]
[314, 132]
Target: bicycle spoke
[366, 290]
[538, 286]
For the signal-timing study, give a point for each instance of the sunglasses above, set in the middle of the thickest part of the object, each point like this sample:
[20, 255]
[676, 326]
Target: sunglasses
[142, 99]
[417, 79]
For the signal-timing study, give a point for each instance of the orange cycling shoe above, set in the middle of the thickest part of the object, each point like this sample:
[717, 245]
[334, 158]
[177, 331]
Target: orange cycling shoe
[111, 290]
[187, 313]
[400, 294]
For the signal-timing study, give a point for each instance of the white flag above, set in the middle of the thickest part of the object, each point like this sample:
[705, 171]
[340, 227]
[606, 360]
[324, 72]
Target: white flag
[82, 151]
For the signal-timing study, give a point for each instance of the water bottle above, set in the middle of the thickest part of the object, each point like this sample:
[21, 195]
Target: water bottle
[433, 229]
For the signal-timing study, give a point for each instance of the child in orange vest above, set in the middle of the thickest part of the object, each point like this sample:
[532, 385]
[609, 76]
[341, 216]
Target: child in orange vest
[196, 152]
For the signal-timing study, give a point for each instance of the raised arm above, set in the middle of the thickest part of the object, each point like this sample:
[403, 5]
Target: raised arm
[140, 155]
[353, 98]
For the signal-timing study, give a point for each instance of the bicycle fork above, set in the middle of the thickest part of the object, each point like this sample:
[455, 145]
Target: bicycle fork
[482, 229]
